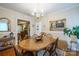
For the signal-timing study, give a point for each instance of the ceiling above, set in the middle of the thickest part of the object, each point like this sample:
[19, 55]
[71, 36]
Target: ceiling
[29, 8]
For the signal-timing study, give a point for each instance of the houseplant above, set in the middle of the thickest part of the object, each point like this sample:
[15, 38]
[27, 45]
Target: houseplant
[67, 31]
[75, 31]
[72, 32]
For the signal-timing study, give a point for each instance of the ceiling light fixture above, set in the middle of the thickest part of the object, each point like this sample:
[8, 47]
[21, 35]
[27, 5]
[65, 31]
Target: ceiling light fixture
[37, 14]
[38, 11]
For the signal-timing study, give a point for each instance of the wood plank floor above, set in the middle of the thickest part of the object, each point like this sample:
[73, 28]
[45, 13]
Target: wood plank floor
[8, 52]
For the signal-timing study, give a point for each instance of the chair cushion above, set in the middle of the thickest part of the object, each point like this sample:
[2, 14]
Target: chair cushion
[41, 52]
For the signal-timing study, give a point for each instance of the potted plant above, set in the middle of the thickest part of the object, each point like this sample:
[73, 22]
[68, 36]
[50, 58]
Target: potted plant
[67, 31]
[75, 31]
[72, 32]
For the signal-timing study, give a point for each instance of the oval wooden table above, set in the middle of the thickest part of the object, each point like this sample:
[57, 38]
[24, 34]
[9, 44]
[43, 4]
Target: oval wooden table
[32, 45]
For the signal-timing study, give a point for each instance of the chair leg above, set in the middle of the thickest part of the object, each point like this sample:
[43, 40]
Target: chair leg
[44, 53]
[35, 53]
[56, 53]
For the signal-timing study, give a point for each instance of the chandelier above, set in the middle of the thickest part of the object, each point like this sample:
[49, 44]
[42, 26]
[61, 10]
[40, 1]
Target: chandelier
[38, 11]
[37, 14]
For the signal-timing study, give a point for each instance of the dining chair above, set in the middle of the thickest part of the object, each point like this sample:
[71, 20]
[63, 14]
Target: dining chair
[52, 49]
[26, 37]
[50, 36]
[34, 36]
[62, 46]
[21, 35]
[43, 33]
[18, 50]
[21, 52]
[28, 53]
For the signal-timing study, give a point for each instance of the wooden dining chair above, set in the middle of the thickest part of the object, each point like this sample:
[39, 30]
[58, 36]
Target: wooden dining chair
[18, 50]
[62, 46]
[34, 36]
[50, 36]
[21, 35]
[42, 34]
[51, 49]
[28, 53]
[21, 52]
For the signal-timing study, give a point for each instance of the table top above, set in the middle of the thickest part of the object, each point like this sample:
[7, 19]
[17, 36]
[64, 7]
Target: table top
[32, 45]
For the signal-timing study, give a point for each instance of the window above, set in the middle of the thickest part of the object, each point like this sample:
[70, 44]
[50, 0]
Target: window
[3, 27]
[4, 24]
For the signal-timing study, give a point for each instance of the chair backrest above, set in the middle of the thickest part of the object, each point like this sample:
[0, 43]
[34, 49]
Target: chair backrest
[53, 47]
[49, 36]
[42, 34]
[18, 50]
[26, 37]
[22, 34]
[34, 36]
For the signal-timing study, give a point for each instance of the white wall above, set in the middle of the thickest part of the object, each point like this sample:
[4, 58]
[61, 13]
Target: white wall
[32, 27]
[13, 16]
[72, 19]
[38, 28]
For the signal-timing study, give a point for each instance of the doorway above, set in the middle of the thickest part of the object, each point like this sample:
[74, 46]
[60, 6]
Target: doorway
[23, 28]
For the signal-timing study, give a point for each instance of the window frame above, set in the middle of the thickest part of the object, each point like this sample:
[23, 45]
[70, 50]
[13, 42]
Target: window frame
[8, 24]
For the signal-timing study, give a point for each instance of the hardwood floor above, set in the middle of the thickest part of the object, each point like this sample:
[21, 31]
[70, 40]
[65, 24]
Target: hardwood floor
[8, 52]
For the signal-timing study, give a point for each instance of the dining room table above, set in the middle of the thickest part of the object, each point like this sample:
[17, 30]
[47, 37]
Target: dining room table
[34, 45]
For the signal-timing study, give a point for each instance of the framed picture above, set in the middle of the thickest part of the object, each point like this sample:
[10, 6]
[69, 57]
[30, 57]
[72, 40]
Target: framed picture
[58, 25]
